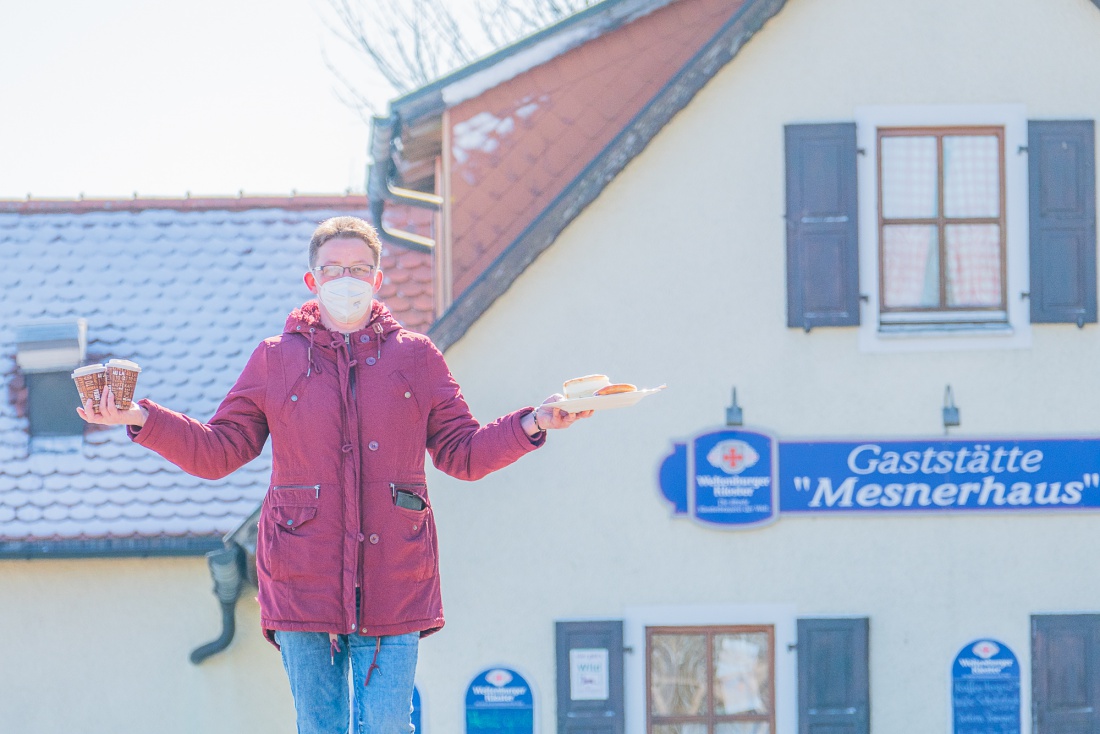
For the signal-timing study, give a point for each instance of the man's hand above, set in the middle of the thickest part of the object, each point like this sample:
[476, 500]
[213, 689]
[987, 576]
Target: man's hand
[110, 415]
[547, 418]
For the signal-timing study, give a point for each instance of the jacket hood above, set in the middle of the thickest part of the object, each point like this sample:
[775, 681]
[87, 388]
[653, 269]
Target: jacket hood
[308, 315]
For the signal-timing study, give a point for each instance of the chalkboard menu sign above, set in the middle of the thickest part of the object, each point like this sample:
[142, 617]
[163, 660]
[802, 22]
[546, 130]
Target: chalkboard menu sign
[985, 689]
[499, 701]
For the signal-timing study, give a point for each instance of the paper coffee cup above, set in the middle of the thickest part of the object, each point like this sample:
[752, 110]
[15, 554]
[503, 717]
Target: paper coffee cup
[90, 382]
[122, 375]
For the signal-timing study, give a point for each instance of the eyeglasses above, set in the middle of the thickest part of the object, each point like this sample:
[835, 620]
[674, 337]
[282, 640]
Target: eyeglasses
[362, 272]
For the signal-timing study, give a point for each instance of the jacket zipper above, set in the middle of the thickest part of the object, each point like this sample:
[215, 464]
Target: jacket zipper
[315, 487]
[358, 511]
[351, 369]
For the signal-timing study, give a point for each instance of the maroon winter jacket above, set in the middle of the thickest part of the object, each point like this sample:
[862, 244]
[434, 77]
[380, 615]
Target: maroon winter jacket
[349, 420]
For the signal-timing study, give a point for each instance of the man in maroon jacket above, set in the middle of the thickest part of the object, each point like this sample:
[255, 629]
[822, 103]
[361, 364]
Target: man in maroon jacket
[346, 557]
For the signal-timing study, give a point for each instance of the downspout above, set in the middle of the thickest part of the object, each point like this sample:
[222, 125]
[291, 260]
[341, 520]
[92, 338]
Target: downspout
[226, 567]
[230, 568]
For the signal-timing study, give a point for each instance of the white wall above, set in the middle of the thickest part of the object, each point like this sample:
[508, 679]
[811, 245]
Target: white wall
[676, 274]
[102, 646]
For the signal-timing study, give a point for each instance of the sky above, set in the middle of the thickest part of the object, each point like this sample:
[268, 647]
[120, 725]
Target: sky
[207, 97]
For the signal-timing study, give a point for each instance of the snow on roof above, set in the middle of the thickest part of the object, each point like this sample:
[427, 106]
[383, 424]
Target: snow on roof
[187, 294]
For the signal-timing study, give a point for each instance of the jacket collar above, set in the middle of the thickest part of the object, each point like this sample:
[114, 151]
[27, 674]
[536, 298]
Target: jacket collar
[308, 316]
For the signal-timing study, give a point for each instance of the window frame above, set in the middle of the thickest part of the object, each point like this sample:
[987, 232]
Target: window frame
[1013, 331]
[710, 719]
[943, 310]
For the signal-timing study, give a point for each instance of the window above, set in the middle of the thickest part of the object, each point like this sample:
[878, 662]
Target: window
[710, 680]
[46, 353]
[941, 226]
[943, 201]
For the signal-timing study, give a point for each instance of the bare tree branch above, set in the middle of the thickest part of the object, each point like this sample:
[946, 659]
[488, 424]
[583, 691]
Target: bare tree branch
[409, 44]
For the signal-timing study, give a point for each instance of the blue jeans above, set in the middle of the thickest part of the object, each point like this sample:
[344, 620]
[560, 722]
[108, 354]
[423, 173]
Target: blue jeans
[319, 682]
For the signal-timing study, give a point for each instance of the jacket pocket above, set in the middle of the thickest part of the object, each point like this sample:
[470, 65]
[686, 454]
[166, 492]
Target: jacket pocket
[300, 547]
[406, 543]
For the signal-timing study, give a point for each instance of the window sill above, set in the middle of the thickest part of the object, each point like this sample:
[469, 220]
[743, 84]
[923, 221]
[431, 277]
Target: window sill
[995, 328]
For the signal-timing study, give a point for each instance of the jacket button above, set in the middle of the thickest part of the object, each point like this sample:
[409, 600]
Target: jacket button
[371, 360]
[408, 394]
[374, 538]
[289, 522]
[293, 398]
[373, 445]
[364, 338]
[362, 537]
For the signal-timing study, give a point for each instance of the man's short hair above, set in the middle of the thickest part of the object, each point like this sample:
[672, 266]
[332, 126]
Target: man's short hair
[345, 227]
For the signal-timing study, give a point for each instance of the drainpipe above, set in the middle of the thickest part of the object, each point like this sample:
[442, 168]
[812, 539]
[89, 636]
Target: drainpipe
[226, 566]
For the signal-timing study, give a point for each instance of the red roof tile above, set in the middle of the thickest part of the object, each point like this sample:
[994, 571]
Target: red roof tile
[519, 144]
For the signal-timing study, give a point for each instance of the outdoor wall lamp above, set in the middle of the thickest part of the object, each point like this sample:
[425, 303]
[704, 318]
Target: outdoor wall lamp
[734, 415]
[950, 412]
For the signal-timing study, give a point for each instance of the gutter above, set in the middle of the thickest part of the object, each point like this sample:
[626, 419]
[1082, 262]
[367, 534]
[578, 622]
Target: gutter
[380, 189]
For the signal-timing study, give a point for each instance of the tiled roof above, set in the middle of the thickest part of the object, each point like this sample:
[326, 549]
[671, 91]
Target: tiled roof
[185, 291]
[517, 146]
[542, 200]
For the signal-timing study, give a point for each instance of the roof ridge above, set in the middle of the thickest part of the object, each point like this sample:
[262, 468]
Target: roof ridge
[241, 202]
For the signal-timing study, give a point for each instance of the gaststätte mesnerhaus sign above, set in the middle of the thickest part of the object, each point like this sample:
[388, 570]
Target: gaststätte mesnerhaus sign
[736, 478]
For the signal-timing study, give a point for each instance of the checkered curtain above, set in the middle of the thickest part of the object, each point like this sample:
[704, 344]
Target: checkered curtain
[910, 267]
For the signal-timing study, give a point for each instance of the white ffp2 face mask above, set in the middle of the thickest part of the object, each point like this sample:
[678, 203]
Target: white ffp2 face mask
[346, 299]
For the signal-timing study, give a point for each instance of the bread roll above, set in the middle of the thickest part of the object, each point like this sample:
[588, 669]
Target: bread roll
[583, 387]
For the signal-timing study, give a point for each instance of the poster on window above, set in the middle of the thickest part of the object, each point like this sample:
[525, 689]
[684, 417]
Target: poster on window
[589, 674]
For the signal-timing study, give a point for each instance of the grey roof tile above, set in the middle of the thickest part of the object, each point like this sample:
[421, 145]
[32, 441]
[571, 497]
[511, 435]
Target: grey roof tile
[202, 288]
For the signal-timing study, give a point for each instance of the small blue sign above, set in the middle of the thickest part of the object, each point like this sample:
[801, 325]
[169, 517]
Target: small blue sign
[500, 701]
[722, 478]
[985, 689]
[416, 711]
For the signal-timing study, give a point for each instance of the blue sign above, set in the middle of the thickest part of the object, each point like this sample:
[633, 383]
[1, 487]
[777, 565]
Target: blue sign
[722, 478]
[985, 689]
[938, 475]
[726, 478]
[416, 711]
[499, 700]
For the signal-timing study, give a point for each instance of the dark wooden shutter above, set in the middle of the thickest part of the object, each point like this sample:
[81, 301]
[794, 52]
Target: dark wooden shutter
[1065, 674]
[822, 231]
[834, 695]
[1062, 190]
[590, 716]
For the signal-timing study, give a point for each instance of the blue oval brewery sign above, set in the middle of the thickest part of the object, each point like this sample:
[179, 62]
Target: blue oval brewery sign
[722, 478]
[499, 700]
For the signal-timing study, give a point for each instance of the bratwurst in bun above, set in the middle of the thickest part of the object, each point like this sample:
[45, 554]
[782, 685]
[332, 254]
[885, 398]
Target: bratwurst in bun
[616, 388]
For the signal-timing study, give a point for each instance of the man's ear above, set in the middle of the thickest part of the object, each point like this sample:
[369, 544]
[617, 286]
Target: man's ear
[377, 280]
[311, 282]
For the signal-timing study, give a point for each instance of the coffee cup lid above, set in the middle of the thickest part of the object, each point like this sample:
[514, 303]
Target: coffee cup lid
[124, 364]
[89, 369]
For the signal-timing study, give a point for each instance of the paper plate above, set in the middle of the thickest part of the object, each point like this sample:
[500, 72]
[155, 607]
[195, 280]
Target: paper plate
[603, 402]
